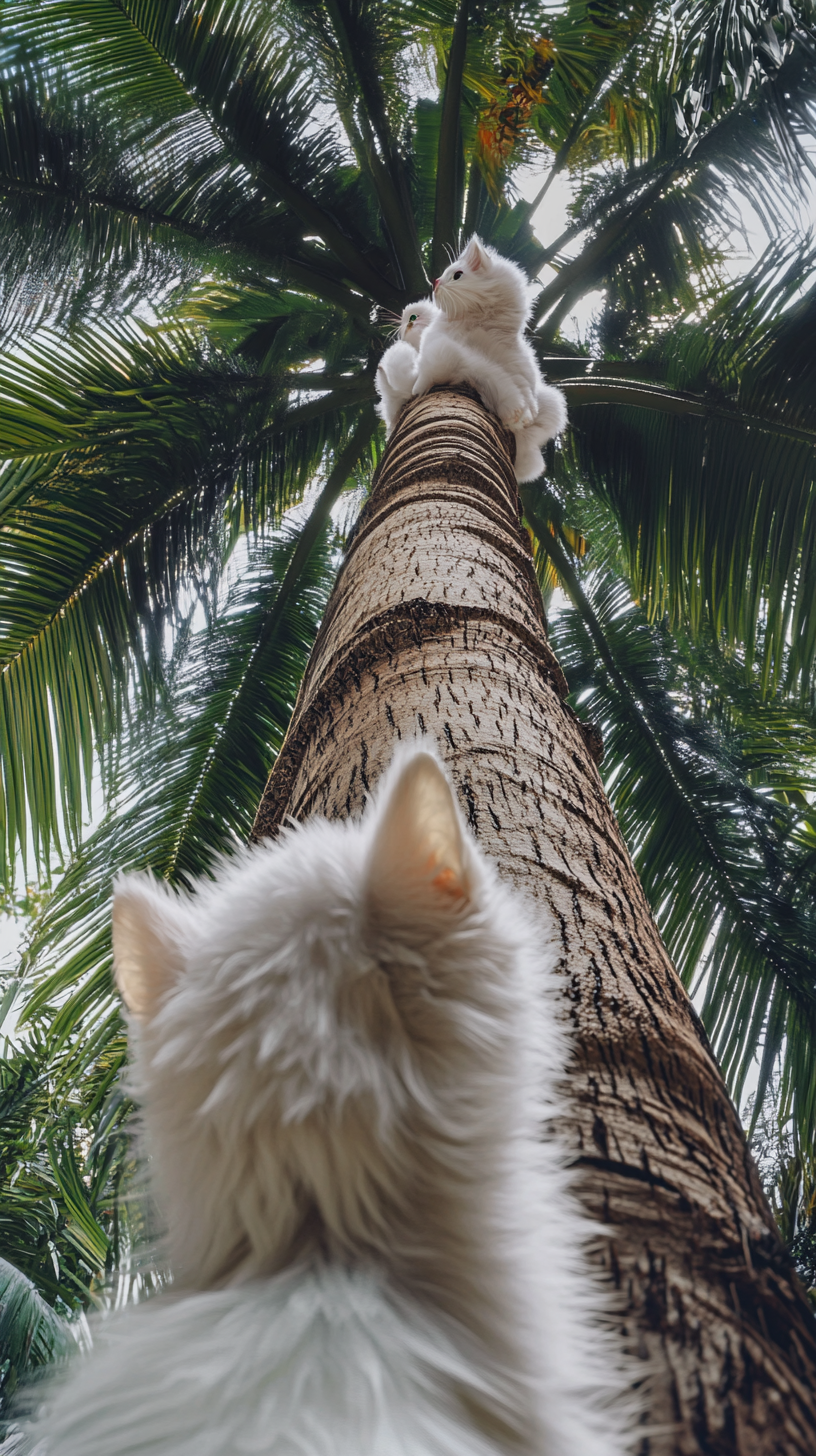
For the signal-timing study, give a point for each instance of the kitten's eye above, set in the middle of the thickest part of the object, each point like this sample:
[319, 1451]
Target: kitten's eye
[458, 274]
[412, 319]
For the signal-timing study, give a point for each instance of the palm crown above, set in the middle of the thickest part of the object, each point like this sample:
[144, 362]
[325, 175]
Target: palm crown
[211, 214]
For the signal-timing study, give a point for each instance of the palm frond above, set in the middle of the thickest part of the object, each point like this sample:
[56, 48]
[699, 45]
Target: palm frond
[450, 162]
[58, 1217]
[32, 1333]
[204, 78]
[196, 766]
[128, 456]
[717, 504]
[749, 153]
[79, 230]
[731, 46]
[357, 52]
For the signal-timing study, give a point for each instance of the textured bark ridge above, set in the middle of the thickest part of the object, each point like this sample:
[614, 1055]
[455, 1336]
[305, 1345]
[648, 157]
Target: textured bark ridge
[436, 628]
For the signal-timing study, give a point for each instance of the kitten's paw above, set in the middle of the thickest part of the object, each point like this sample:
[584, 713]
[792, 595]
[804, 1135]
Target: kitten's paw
[530, 407]
[529, 462]
[517, 418]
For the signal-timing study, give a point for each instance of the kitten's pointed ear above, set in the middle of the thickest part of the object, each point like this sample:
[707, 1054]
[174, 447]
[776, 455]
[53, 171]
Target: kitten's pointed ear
[147, 942]
[475, 254]
[419, 853]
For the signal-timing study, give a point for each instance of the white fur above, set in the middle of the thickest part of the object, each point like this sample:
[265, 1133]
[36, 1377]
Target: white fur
[346, 1047]
[476, 336]
[397, 369]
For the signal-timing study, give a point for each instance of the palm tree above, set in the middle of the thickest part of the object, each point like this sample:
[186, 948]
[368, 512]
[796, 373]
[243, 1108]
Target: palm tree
[258, 184]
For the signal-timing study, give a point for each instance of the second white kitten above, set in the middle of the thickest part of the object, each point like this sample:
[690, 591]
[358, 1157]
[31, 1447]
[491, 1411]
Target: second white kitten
[398, 367]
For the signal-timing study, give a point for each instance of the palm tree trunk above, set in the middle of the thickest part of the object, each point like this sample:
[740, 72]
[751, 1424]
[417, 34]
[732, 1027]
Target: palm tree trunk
[436, 627]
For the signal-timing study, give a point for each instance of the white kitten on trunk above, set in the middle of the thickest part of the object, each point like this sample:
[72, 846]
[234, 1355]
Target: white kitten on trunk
[397, 369]
[476, 336]
[346, 1047]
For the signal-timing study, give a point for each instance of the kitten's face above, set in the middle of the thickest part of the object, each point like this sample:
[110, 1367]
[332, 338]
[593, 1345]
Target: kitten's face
[482, 286]
[415, 320]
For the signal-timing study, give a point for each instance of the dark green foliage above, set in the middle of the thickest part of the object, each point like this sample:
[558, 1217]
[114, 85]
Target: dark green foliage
[788, 1173]
[189, 777]
[63, 1154]
[32, 1334]
[124, 455]
[711, 784]
[712, 475]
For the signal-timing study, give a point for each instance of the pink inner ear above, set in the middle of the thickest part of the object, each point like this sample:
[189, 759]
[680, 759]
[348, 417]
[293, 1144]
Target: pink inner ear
[473, 256]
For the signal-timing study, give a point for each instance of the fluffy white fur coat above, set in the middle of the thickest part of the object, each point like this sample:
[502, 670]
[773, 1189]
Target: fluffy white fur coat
[473, 333]
[346, 1047]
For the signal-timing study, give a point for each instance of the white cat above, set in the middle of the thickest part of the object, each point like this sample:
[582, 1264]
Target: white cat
[476, 336]
[346, 1047]
[397, 369]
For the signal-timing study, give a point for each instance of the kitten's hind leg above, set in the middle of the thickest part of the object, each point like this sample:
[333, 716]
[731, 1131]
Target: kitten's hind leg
[529, 461]
[551, 412]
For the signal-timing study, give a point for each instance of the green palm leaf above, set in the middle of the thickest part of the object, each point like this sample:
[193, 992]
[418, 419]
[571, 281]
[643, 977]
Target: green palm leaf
[122, 455]
[31, 1332]
[715, 489]
[58, 1218]
[189, 785]
[675, 187]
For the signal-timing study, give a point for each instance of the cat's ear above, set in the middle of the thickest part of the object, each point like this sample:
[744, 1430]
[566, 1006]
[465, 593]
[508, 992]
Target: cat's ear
[475, 255]
[418, 856]
[148, 942]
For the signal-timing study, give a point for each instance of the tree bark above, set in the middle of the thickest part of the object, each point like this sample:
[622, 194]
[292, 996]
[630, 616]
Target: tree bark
[436, 628]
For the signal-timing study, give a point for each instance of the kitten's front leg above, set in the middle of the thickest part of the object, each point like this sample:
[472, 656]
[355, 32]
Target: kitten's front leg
[395, 377]
[399, 365]
[515, 402]
[441, 361]
[550, 419]
[551, 411]
[388, 404]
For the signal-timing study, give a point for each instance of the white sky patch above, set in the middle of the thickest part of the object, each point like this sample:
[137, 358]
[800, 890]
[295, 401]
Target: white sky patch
[552, 218]
[12, 932]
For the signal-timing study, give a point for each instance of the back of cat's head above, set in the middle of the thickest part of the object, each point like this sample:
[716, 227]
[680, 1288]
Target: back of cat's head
[482, 286]
[266, 1020]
